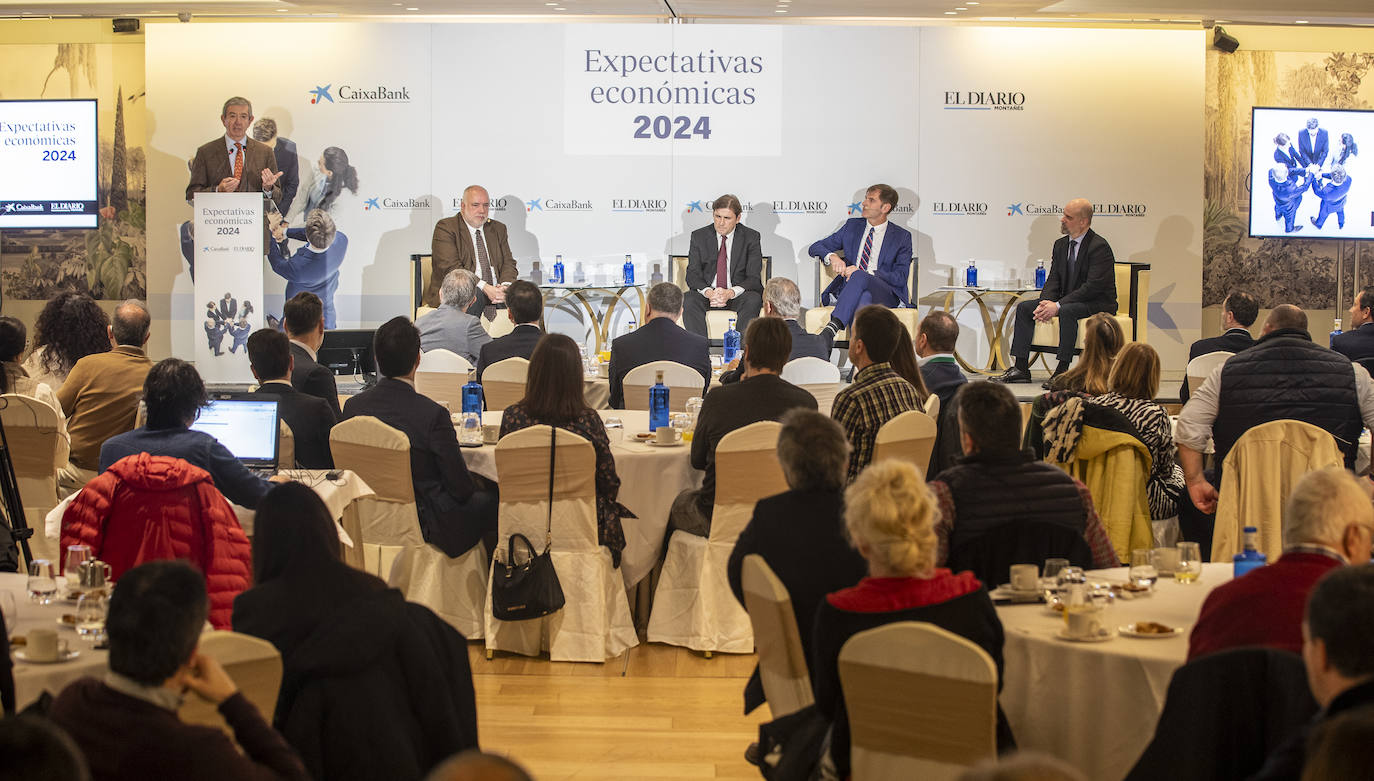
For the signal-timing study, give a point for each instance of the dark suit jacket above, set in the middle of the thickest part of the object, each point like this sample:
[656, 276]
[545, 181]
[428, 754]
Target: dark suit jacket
[1309, 155]
[894, 257]
[211, 165]
[452, 248]
[1357, 344]
[310, 419]
[944, 380]
[1233, 341]
[746, 259]
[804, 345]
[519, 343]
[289, 165]
[314, 379]
[1094, 278]
[441, 478]
[660, 339]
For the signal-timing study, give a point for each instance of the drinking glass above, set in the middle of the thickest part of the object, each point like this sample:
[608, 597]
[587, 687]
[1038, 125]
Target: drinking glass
[76, 554]
[683, 423]
[615, 429]
[1052, 568]
[10, 611]
[90, 615]
[1189, 563]
[1143, 572]
[42, 583]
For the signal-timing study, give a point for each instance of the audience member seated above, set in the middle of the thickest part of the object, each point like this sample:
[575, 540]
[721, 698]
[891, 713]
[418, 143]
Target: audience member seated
[889, 514]
[374, 687]
[1238, 313]
[70, 327]
[935, 341]
[800, 533]
[1338, 651]
[905, 364]
[1023, 766]
[1327, 523]
[174, 394]
[760, 395]
[1027, 490]
[450, 327]
[878, 393]
[658, 338]
[455, 514]
[35, 749]
[1357, 344]
[1102, 340]
[100, 395]
[147, 507]
[1343, 747]
[1134, 381]
[525, 308]
[308, 417]
[126, 723]
[781, 298]
[475, 765]
[14, 378]
[303, 319]
[553, 397]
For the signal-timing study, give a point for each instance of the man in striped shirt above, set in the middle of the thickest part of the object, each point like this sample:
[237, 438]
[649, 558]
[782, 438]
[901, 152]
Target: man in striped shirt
[878, 393]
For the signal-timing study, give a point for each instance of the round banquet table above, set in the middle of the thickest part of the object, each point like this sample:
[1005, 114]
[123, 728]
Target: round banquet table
[650, 478]
[31, 679]
[1095, 705]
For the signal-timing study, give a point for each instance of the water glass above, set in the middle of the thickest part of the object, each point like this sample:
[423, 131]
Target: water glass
[615, 429]
[1143, 572]
[42, 583]
[683, 423]
[76, 554]
[1052, 568]
[694, 408]
[91, 609]
[1189, 563]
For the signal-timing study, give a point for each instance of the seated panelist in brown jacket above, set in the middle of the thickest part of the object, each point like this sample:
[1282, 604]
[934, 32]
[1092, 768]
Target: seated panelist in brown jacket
[469, 240]
[235, 163]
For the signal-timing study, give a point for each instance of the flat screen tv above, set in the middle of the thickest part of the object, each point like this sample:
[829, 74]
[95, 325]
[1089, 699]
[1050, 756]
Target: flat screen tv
[1309, 177]
[49, 163]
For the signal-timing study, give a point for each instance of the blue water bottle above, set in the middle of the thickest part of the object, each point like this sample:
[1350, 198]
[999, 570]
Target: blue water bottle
[558, 269]
[1335, 332]
[1250, 557]
[472, 394]
[971, 275]
[1040, 274]
[731, 342]
[629, 271]
[658, 403]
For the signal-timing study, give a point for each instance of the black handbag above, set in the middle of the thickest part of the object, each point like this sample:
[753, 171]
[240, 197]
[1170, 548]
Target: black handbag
[520, 592]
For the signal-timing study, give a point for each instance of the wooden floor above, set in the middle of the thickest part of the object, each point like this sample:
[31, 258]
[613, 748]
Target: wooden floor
[656, 712]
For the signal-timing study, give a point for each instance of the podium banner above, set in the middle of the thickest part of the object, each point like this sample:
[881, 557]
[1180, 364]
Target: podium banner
[227, 231]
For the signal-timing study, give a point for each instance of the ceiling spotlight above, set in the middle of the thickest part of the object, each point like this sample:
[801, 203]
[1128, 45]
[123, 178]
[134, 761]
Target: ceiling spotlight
[1300, 21]
[1224, 42]
[951, 13]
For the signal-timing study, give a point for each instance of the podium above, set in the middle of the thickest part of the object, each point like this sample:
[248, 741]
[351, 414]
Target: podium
[229, 245]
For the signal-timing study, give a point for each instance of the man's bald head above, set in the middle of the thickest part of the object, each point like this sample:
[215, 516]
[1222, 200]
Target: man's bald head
[1081, 208]
[474, 765]
[130, 323]
[1285, 316]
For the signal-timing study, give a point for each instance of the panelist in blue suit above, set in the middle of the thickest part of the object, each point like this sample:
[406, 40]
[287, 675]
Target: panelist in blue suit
[1313, 144]
[313, 268]
[876, 263]
[1288, 186]
[1332, 195]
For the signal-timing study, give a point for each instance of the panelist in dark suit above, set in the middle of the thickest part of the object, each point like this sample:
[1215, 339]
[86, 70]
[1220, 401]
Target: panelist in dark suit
[234, 162]
[876, 264]
[524, 307]
[454, 514]
[303, 318]
[1238, 313]
[660, 338]
[781, 298]
[469, 240]
[309, 418]
[1313, 144]
[724, 269]
[1081, 282]
[288, 161]
[1357, 344]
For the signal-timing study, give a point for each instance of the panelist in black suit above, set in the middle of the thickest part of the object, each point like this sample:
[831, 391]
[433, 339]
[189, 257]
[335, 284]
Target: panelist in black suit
[1081, 282]
[781, 298]
[525, 307]
[724, 269]
[454, 514]
[303, 318]
[658, 339]
[1238, 313]
[310, 419]
[1358, 343]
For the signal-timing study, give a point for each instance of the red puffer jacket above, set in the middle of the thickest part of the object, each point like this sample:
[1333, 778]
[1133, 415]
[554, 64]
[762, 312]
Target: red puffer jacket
[147, 508]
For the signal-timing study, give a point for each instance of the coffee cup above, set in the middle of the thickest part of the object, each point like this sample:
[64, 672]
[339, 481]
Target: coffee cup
[43, 645]
[1084, 621]
[603, 371]
[490, 433]
[666, 435]
[1025, 577]
[1166, 560]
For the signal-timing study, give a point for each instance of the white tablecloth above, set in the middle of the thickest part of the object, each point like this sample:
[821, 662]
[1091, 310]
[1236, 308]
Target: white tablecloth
[650, 478]
[1095, 705]
[31, 679]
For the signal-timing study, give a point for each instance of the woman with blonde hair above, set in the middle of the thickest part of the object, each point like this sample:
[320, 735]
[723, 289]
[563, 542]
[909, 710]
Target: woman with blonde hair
[1102, 340]
[890, 516]
[1133, 383]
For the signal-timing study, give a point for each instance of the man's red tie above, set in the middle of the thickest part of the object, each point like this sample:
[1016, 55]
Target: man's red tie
[238, 162]
[722, 273]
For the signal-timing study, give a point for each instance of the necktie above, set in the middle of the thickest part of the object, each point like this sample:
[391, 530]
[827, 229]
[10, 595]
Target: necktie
[484, 265]
[722, 273]
[1073, 258]
[238, 162]
[868, 249]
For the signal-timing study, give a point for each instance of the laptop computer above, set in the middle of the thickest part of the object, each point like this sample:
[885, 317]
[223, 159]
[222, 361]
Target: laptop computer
[247, 425]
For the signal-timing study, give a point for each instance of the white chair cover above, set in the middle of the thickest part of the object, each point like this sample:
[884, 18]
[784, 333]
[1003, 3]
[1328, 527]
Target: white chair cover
[933, 407]
[441, 376]
[286, 446]
[393, 547]
[922, 702]
[693, 604]
[818, 377]
[782, 661]
[908, 437]
[683, 383]
[1046, 334]
[442, 360]
[255, 666]
[500, 326]
[38, 449]
[594, 624]
[1201, 367]
[503, 382]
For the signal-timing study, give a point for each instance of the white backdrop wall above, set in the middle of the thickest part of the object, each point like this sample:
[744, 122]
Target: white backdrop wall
[423, 110]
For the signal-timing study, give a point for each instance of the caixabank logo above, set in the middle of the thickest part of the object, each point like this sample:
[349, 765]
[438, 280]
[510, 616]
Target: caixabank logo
[385, 204]
[1036, 208]
[558, 205]
[959, 208]
[976, 100]
[639, 205]
[704, 206]
[857, 208]
[351, 93]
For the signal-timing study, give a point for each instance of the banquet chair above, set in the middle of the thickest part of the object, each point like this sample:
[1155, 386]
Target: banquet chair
[286, 446]
[1201, 367]
[441, 376]
[423, 268]
[818, 377]
[782, 660]
[683, 383]
[594, 624]
[908, 437]
[37, 450]
[252, 663]
[1132, 302]
[393, 548]
[693, 605]
[503, 383]
[921, 701]
[818, 316]
[717, 320]
[933, 407]
[989, 555]
[1258, 475]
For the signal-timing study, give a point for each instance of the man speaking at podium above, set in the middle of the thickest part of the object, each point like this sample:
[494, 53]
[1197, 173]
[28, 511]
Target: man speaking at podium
[234, 162]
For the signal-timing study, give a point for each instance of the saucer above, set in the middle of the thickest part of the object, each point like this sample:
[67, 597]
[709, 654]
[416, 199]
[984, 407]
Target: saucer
[1129, 630]
[1101, 637]
[70, 654]
[656, 443]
